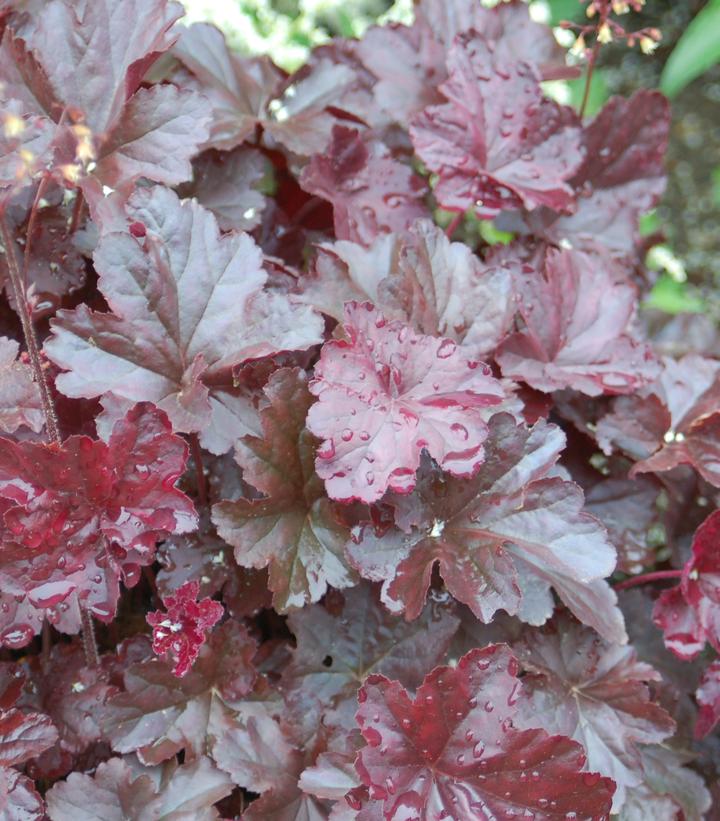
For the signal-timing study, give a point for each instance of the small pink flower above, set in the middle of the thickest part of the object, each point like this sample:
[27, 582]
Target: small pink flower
[181, 630]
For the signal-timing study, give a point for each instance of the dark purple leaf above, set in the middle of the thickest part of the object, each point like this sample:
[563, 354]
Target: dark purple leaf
[20, 403]
[501, 539]
[118, 791]
[489, 155]
[179, 350]
[371, 192]
[594, 692]
[295, 530]
[577, 314]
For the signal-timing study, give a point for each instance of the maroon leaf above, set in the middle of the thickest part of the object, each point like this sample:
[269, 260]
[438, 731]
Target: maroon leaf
[72, 694]
[178, 351]
[501, 539]
[18, 797]
[577, 315]
[20, 403]
[23, 736]
[227, 184]
[335, 652]
[295, 531]
[84, 513]
[160, 714]
[454, 749]
[56, 266]
[180, 632]
[409, 62]
[371, 192]
[131, 34]
[439, 287]
[489, 155]
[160, 131]
[689, 614]
[621, 178]
[387, 393]
[686, 428]
[629, 510]
[199, 556]
[594, 692]
[118, 790]
[262, 757]
[101, 53]
[244, 93]
[708, 698]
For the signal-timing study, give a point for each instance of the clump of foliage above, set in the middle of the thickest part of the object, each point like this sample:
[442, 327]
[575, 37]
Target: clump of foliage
[310, 508]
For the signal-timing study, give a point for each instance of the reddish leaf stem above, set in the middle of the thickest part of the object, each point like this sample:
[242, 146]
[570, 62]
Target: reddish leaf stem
[77, 213]
[202, 486]
[456, 220]
[31, 340]
[646, 578]
[31, 224]
[92, 659]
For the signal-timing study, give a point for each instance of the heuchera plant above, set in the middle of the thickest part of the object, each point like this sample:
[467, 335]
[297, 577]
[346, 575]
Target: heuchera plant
[315, 504]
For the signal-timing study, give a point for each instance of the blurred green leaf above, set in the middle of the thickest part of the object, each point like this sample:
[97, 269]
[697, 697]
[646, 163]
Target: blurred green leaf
[716, 185]
[674, 297]
[695, 52]
[649, 223]
[564, 10]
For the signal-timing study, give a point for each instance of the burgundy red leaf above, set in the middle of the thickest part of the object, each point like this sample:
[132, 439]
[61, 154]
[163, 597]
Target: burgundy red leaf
[83, 515]
[454, 748]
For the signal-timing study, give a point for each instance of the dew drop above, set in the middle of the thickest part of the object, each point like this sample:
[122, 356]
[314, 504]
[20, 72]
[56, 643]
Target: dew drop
[488, 706]
[364, 435]
[447, 349]
[460, 759]
[327, 449]
[346, 435]
[370, 477]
[460, 431]
[17, 636]
[478, 750]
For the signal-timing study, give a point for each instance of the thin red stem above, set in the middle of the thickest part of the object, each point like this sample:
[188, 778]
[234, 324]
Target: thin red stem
[202, 486]
[31, 340]
[77, 212]
[456, 220]
[31, 224]
[646, 578]
[92, 658]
